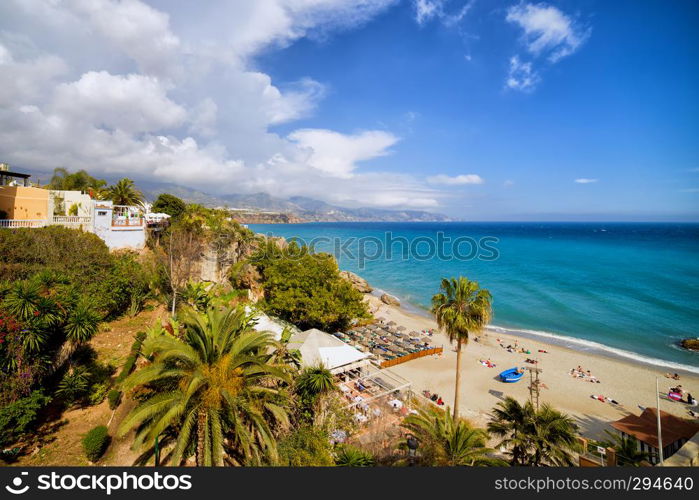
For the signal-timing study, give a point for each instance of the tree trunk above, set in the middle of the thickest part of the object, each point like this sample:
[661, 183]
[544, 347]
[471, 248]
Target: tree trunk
[457, 384]
[174, 297]
[201, 436]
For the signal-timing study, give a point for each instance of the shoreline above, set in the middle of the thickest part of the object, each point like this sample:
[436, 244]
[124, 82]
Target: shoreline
[630, 383]
[551, 338]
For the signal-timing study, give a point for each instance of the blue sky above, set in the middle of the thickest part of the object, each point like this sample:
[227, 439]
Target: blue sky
[484, 110]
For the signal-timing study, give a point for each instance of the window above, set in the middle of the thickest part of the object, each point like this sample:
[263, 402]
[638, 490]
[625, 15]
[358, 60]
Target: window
[102, 213]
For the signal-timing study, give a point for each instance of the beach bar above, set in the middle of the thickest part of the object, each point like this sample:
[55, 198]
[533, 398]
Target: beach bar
[676, 431]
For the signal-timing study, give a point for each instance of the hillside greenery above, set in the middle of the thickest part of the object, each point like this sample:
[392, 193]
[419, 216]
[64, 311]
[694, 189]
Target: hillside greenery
[306, 288]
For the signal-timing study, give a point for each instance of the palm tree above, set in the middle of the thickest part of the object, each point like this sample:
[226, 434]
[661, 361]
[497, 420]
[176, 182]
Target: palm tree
[313, 387]
[81, 325]
[212, 392]
[446, 440]
[533, 436]
[125, 193]
[510, 421]
[284, 355]
[315, 380]
[554, 438]
[627, 450]
[461, 309]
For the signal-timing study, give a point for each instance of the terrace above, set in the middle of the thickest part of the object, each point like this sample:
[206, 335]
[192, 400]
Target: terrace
[126, 217]
[391, 345]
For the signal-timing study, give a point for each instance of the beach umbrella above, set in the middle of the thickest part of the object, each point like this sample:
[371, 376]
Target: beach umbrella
[399, 335]
[377, 351]
[393, 348]
[401, 328]
[382, 319]
[426, 339]
[391, 323]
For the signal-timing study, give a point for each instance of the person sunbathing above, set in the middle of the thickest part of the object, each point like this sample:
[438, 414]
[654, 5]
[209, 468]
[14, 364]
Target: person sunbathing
[440, 402]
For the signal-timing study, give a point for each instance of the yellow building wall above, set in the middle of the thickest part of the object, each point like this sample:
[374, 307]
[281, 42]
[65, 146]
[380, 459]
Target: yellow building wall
[24, 202]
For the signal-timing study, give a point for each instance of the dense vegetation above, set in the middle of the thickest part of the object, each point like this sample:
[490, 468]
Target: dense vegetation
[169, 204]
[56, 286]
[220, 392]
[306, 289]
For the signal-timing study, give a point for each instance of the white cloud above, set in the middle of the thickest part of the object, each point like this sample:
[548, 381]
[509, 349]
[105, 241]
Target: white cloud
[141, 31]
[120, 88]
[508, 183]
[337, 154]
[427, 10]
[132, 103]
[547, 33]
[521, 75]
[457, 180]
[547, 30]
[584, 180]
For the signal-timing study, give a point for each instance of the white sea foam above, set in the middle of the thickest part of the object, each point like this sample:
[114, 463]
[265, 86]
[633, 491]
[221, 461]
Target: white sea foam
[565, 341]
[596, 347]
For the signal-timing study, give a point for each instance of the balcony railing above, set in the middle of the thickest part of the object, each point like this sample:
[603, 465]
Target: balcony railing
[71, 219]
[127, 222]
[18, 223]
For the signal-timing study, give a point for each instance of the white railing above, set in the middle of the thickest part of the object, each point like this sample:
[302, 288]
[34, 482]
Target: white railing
[17, 223]
[71, 219]
[124, 222]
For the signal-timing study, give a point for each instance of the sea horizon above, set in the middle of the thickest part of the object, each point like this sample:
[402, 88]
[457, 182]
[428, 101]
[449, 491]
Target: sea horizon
[551, 305]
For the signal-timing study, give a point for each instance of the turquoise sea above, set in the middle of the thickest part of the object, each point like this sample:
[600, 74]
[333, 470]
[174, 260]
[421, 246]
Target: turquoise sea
[624, 289]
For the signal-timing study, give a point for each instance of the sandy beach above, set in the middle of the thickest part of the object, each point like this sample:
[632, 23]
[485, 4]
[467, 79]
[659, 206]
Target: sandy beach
[630, 384]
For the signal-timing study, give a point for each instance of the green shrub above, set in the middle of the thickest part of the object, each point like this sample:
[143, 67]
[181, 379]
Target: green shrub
[131, 359]
[306, 289]
[95, 443]
[114, 398]
[306, 447]
[169, 204]
[19, 417]
[97, 393]
[74, 385]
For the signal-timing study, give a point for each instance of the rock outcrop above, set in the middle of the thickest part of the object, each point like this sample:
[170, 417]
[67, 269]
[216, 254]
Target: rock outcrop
[690, 344]
[357, 281]
[390, 300]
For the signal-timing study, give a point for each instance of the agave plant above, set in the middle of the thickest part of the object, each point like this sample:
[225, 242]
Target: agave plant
[349, 456]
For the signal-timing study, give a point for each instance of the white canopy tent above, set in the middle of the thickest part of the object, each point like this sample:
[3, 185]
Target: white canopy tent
[318, 347]
[264, 323]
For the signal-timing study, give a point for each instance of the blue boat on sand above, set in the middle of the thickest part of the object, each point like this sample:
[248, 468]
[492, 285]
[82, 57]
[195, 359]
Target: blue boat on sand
[511, 375]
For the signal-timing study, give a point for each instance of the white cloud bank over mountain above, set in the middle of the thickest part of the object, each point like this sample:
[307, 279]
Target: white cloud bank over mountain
[124, 88]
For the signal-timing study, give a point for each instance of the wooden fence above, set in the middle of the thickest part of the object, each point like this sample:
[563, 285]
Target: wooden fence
[411, 356]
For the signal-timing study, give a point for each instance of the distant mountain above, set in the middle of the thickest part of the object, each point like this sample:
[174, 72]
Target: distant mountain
[307, 209]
